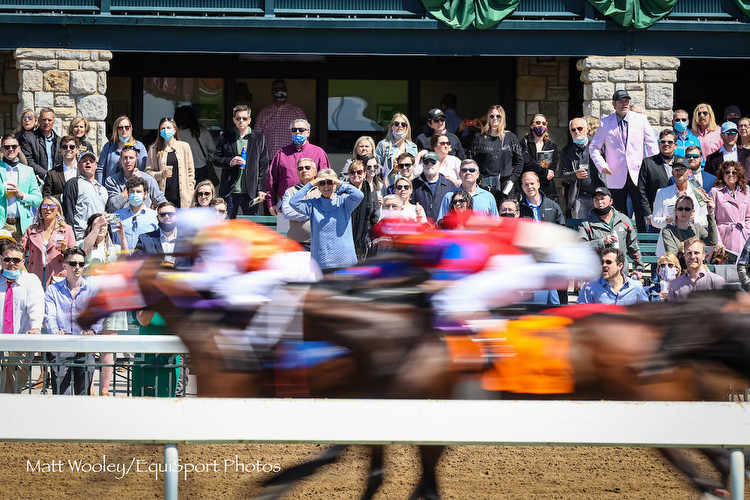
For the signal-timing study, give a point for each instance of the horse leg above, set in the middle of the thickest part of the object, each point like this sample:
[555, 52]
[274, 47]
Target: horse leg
[282, 482]
[427, 486]
[684, 464]
[375, 478]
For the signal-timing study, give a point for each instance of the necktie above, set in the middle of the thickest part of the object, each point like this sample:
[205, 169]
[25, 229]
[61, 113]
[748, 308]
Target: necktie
[8, 309]
[624, 132]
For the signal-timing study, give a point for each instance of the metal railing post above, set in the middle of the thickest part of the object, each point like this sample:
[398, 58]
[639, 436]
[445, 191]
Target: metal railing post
[171, 475]
[737, 474]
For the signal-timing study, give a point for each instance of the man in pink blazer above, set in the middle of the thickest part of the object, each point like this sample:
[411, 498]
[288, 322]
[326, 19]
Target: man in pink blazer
[618, 147]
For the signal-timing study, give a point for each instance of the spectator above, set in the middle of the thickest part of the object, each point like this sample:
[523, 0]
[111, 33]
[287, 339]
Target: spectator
[697, 277]
[578, 178]
[100, 250]
[200, 141]
[204, 194]
[373, 175]
[729, 150]
[46, 240]
[299, 224]
[694, 157]
[283, 171]
[19, 191]
[62, 172]
[137, 217]
[498, 154]
[117, 193]
[668, 268]
[460, 201]
[170, 162]
[404, 190]
[622, 138]
[430, 188]
[367, 213]
[732, 205]
[26, 123]
[242, 179]
[672, 236]
[363, 146]
[663, 212]
[706, 129]
[608, 228]
[510, 207]
[164, 241]
[79, 128]
[656, 171]
[536, 206]
[448, 165]
[482, 200]
[109, 159]
[436, 123]
[64, 301]
[397, 141]
[331, 240]
[405, 163]
[274, 119]
[23, 312]
[612, 287]
[41, 146]
[541, 155]
[683, 136]
[220, 206]
[744, 128]
[732, 114]
[83, 195]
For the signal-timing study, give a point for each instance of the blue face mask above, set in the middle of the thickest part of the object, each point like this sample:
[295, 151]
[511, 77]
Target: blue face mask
[135, 199]
[12, 275]
[580, 142]
[166, 133]
[680, 127]
[298, 139]
[125, 139]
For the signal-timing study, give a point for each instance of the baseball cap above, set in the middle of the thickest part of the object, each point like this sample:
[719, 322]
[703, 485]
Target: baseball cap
[619, 94]
[435, 113]
[602, 190]
[86, 153]
[431, 156]
[680, 161]
[6, 235]
[727, 126]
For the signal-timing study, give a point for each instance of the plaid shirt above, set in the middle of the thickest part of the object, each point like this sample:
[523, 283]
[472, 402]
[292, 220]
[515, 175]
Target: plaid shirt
[274, 122]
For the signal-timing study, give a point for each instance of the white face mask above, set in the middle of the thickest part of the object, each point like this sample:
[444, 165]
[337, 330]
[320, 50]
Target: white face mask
[667, 273]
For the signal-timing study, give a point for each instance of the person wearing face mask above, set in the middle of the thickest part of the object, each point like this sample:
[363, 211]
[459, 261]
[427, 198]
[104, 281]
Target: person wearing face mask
[137, 217]
[273, 120]
[164, 241]
[430, 188]
[541, 155]
[116, 190]
[397, 142]
[668, 268]
[608, 228]
[579, 176]
[170, 162]
[109, 158]
[23, 296]
[684, 137]
[732, 114]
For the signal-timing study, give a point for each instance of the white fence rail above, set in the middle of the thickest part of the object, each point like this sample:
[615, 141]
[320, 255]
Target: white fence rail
[149, 344]
[550, 423]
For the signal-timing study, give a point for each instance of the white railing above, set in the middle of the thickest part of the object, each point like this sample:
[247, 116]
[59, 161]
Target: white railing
[149, 344]
[547, 423]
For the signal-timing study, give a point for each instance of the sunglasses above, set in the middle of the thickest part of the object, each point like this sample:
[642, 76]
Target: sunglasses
[429, 162]
[402, 187]
[242, 118]
[304, 167]
[167, 214]
[76, 263]
[684, 209]
[372, 167]
[608, 262]
[298, 130]
[458, 201]
[681, 119]
[731, 132]
[222, 212]
[12, 260]
[540, 123]
[28, 118]
[702, 113]
[444, 143]
[492, 117]
[69, 147]
[507, 211]
[441, 119]
[679, 169]
[326, 182]
[48, 206]
[574, 129]
[400, 124]
[667, 264]
[668, 143]
[405, 165]
[204, 193]
[130, 148]
[471, 169]
[10, 147]
[356, 172]
[730, 172]
[692, 157]
[124, 127]
[743, 125]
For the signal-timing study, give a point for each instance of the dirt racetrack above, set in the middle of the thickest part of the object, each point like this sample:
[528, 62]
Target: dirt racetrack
[470, 472]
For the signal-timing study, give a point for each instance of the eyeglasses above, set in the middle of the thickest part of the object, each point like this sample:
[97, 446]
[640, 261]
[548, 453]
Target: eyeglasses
[76, 263]
[405, 165]
[574, 129]
[730, 132]
[298, 130]
[744, 125]
[129, 148]
[372, 167]
[667, 264]
[444, 143]
[28, 118]
[242, 118]
[326, 182]
[167, 214]
[459, 201]
[124, 127]
[221, 212]
[668, 143]
[402, 187]
[12, 260]
[702, 113]
[538, 122]
[429, 162]
[356, 172]
[681, 119]
[730, 172]
[441, 119]
[470, 169]
[684, 209]
[507, 211]
[492, 117]
[10, 147]
[608, 262]
[692, 156]
[400, 124]
[304, 167]
[135, 223]
[48, 206]
[681, 168]
[204, 193]
[392, 207]
[69, 147]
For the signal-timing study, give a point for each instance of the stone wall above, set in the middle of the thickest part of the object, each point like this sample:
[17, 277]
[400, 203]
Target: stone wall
[542, 87]
[72, 82]
[8, 92]
[648, 80]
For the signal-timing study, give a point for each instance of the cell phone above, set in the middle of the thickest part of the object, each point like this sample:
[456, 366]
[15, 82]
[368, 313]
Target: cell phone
[115, 219]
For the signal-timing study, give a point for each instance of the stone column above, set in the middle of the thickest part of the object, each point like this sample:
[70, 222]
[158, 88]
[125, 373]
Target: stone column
[542, 87]
[648, 80]
[72, 82]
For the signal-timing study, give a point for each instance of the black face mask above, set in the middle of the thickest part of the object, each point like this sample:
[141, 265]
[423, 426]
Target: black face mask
[167, 226]
[507, 215]
[602, 211]
[279, 94]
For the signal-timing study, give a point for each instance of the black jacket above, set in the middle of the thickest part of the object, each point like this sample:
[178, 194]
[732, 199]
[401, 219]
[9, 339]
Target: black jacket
[549, 210]
[256, 166]
[571, 157]
[33, 147]
[651, 178]
[499, 160]
[423, 195]
[717, 158]
[423, 142]
[54, 183]
[530, 164]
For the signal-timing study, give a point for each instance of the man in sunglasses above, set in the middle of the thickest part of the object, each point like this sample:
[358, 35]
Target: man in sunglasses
[164, 241]
[613, 287]
[283, 171]
[83, 196]
[728, 150]
[62, 172]
[695, 159]
[243, 175]
[579, 175]
[682, 133]
[273, 120]
[431, 187]
[484, 201]
[299, 224]
[19, 190]
[41, 147]
[656, 173]
[116, 184]
[436, 123]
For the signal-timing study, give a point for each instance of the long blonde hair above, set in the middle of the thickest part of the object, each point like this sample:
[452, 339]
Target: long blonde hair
[59, 219]
[711, 118]
[407, 135]
[486, 129]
